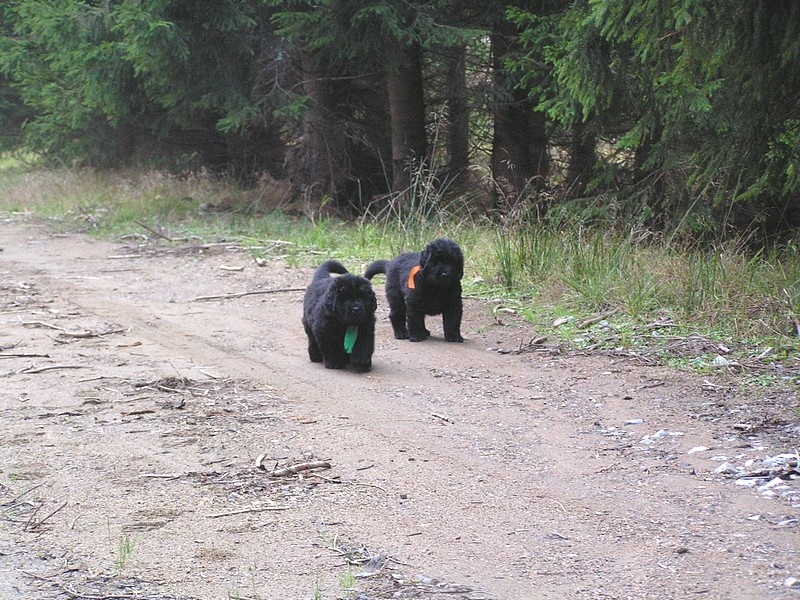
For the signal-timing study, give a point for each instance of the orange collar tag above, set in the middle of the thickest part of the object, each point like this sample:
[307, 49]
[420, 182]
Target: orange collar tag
[414, 271]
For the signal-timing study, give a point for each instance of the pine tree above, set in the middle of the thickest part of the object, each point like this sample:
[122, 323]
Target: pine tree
[704, 98]
[109, 83]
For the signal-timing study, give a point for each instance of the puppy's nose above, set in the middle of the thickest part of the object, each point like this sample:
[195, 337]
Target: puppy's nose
[357, 308]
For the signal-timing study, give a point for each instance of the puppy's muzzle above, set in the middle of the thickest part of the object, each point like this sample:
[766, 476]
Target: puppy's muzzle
[357, 312]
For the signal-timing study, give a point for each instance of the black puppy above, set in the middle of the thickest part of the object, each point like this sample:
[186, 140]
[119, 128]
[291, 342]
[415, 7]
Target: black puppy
[339, 318]
[424, 283]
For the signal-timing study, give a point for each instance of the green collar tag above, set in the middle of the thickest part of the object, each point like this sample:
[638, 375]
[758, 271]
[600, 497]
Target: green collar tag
[350, 337]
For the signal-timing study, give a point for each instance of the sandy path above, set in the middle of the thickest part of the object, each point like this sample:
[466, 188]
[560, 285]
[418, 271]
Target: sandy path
[479, 474]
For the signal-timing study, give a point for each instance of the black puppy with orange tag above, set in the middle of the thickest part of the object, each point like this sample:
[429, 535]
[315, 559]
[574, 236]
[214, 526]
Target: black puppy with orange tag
[424, 283]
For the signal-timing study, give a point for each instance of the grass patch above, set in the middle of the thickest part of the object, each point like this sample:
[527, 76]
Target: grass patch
[652, 290]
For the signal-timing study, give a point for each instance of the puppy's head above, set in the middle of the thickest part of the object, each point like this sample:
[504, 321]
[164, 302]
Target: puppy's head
[350, 299]
[442, 263]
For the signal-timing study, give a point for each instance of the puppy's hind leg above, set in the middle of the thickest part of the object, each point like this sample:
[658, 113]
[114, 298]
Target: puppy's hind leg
[314, 353]
[397, 316]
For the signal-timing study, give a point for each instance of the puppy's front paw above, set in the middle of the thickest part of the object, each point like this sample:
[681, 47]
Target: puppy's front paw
[330, 364]
[361, 367]
[454, 338]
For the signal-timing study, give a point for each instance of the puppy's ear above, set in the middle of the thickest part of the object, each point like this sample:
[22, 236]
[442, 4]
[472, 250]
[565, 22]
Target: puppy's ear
[372, 302]
[459, 262]
[423, 258]
[330, 299]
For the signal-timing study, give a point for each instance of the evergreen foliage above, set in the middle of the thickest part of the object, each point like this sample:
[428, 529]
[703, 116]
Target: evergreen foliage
[704, 97]
[110, 83]
[673, 114]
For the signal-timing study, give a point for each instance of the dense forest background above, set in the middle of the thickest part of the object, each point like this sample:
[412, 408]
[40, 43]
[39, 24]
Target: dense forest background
[676, 115]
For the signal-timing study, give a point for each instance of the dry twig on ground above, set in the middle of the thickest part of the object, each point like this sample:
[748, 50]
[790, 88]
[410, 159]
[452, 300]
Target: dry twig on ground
[243, 294]
[243, 511]
[293, 469]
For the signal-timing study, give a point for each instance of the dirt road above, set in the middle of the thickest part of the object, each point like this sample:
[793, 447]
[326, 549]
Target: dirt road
[133, 416]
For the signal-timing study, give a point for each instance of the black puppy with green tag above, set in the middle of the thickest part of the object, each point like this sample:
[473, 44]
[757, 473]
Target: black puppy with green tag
[339, 318]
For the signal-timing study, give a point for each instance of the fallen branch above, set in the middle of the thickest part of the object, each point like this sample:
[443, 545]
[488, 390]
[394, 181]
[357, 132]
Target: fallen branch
[208, 246]
[272, 244]
[21, 496]
[136, 413]
[24, 355]
[243, 294]
[655, 384]
[161, 475]
[31, 525]
[332, 480]
[260, 462]
[442, 418]
[32, 517]
[537, 340]
[41, 324]
[298, 468]
[242, 511]
[661, 324]
[31, 370]
[597, 318]
[67, 333]
[99, 377]
[89, 334]
[154, 232]
[79, 595]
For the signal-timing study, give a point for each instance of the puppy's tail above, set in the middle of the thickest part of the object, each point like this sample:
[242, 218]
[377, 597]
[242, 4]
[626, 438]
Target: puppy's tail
[329, 266]
[379, 266]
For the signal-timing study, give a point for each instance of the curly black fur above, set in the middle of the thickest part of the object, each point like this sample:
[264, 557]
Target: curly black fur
[437, 290]
[331, 304]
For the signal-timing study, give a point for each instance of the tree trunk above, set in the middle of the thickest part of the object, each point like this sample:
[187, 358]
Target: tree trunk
[582, 159]
[457, 112]
[318, 165]
[407, 115]
[519, 143]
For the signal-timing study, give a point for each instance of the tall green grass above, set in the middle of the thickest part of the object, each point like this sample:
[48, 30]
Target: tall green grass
[544, 270]
[593, 271]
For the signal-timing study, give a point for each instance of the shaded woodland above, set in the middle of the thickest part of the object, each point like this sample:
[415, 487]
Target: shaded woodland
[671, 115]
